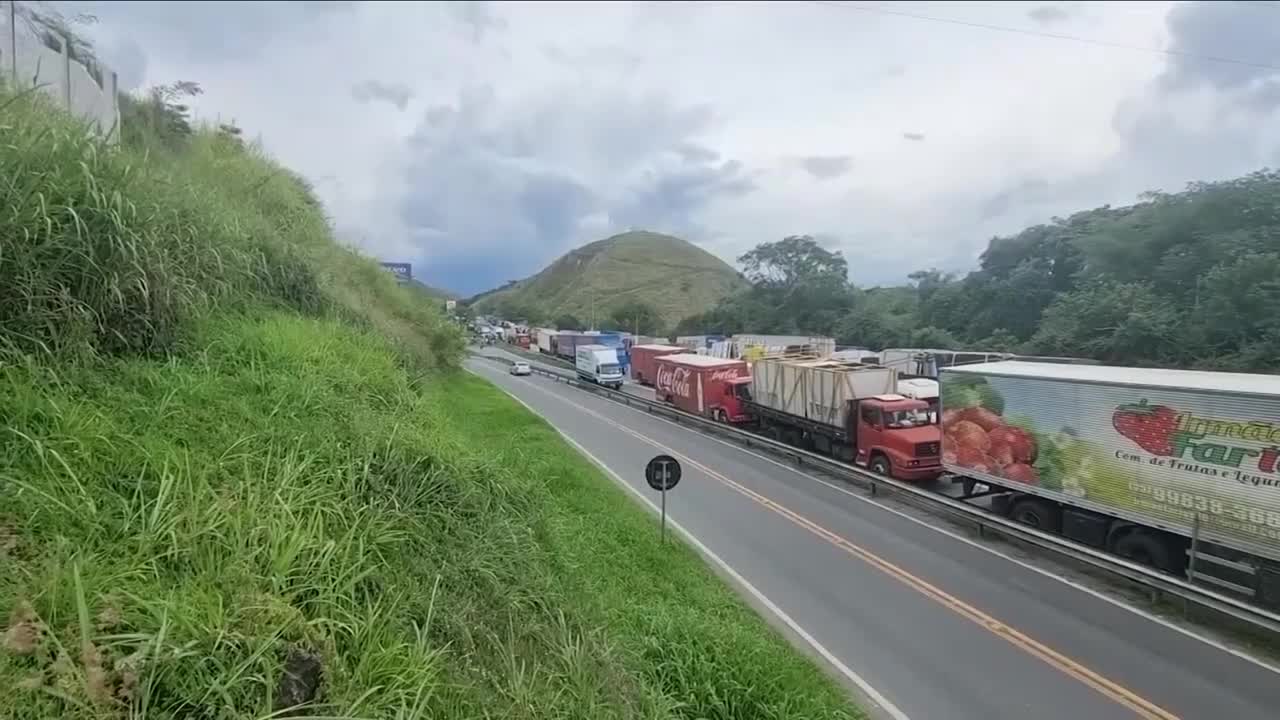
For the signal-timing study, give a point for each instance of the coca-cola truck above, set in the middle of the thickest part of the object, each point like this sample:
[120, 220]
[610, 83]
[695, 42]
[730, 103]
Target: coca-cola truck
[846, 410]
[644, 361]
[700, 384]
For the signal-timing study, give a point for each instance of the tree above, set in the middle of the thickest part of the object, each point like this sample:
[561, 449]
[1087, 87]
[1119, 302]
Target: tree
[638, 317]
[568, 322]
[161, 115]
[1106, 320]
[791, 261]
[1183, 279]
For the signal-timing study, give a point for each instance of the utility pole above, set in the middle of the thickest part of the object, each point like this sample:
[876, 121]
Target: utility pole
[13, 40]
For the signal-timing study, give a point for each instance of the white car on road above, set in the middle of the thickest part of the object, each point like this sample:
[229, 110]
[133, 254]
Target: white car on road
[521, 367]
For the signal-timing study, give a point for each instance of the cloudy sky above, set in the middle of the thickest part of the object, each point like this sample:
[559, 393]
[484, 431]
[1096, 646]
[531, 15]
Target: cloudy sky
[481, 140]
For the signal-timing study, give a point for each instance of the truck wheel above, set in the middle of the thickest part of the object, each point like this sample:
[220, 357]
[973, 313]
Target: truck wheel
[1039, 514]
[721, 417]
[880, 465]
[1144, 548]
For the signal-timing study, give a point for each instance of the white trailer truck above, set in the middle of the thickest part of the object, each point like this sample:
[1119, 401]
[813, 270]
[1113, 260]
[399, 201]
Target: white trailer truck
[544, 341]
[1135, 461]
[599, 364]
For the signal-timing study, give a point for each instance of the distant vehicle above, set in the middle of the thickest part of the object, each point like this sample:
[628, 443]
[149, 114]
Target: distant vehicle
[521, 367]
[599, 364]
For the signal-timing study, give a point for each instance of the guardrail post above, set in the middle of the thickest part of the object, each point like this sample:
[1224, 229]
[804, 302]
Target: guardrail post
[1191, 562]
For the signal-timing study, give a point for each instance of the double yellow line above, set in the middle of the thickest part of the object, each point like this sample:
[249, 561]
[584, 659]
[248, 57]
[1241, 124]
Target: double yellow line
[1142, 707]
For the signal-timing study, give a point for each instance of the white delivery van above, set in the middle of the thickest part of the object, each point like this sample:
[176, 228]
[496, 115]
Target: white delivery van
[599, 364]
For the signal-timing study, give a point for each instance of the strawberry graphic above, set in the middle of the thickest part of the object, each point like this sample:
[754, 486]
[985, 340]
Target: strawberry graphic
[1150, 426]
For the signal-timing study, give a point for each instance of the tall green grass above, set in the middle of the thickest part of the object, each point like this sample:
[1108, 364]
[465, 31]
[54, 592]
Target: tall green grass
[219, 449]
[110, 250]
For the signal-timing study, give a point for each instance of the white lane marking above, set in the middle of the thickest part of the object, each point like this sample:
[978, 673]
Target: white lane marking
[874, 695]
[1211, 642]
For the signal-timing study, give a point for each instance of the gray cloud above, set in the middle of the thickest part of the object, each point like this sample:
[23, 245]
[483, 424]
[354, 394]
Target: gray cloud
[1048, 14]
[205, 30]
[1223, 30]
[668, 200]
[913, 136]
[397, 94]
[695, 153]
[478, 16]
[1023, 193]
[826, 167]
[128, 60]
[497, 190]
[619, 59]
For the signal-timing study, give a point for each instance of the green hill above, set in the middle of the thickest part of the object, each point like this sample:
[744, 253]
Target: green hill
[673, 276]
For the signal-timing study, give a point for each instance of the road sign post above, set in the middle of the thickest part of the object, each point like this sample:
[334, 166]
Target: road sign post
[663, 473]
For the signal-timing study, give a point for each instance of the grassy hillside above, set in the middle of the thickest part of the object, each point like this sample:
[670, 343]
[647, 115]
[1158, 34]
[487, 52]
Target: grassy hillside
[673, 276]
[241, 472]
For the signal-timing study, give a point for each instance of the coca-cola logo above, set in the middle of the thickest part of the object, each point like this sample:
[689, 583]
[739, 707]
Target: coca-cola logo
[674, 379]
[727, 374]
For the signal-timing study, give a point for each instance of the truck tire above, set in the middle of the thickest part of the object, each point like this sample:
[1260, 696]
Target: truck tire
[1037, 513]
[880, 466]
[1143, 547]
[721, 416]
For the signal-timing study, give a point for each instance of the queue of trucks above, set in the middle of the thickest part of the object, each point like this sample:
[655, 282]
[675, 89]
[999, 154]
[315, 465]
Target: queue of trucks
[1139, 462]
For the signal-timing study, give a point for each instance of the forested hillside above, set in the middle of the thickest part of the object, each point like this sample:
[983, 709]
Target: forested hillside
[1190, 279]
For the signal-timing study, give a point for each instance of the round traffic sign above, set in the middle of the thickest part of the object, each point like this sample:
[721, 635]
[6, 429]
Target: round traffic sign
[662, 472]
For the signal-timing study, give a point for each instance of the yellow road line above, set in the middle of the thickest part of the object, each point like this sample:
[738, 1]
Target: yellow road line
[1140, 706]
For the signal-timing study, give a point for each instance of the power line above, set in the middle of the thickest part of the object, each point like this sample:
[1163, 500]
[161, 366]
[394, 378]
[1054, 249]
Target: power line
[1055, 36]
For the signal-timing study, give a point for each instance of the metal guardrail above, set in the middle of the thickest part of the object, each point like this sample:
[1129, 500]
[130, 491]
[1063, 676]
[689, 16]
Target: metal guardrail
[1155, 581]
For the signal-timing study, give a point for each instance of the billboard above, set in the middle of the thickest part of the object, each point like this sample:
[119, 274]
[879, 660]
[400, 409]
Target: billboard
[402, 271]
[1162, 456]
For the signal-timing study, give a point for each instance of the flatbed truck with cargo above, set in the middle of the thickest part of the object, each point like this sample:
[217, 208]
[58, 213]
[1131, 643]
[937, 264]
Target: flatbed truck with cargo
[847, 411]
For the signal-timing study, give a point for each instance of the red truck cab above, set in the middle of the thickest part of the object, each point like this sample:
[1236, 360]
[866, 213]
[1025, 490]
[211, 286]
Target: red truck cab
[897, 436]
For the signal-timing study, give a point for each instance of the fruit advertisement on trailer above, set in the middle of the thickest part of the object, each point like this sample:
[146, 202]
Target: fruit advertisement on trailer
[1168, 455]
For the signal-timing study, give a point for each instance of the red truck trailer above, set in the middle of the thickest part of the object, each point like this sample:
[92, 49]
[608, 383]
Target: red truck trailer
[644, 361]
[700, 384]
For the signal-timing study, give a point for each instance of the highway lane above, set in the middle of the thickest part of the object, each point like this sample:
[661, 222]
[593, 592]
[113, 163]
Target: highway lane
[941, 628]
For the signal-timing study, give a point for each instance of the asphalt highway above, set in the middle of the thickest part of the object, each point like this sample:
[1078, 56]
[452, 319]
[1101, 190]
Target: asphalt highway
[919, 622]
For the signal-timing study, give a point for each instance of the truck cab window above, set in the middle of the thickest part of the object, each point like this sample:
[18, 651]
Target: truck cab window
[915, 417]
[871, 415]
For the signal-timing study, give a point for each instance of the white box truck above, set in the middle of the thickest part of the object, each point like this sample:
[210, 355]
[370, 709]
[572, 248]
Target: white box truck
[1135, 461]
[544, 341]
[599, 364]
